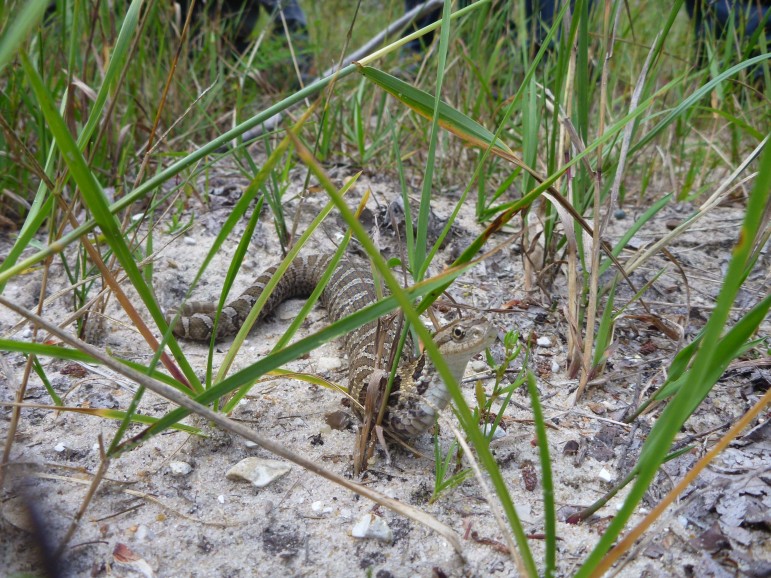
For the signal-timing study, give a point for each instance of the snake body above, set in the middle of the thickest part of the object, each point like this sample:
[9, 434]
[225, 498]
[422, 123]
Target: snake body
[418, 391]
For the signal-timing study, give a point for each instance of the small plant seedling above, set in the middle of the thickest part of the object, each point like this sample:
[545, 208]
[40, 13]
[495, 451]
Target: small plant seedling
[443, 480]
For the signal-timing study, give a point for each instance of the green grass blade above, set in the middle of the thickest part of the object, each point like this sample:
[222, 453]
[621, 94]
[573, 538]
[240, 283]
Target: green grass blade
[549, 510]
[95, 199]
[29, 16]
[423, 104]
[658, 444]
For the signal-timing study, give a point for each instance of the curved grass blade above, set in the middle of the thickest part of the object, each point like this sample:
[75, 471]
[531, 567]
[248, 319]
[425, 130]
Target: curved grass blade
[114, 414]
[423, 103]
[96, 201]
[698, 385]
[404, 300]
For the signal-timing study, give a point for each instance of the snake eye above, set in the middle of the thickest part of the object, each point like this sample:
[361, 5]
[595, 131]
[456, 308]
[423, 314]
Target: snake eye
[458, 333]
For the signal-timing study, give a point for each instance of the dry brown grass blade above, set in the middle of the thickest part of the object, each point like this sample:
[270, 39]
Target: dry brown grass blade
[221, 420]
[628, 541]
[714, 200]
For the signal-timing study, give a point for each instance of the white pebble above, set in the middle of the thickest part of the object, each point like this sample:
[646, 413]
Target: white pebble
[190, 241]
[258, 471]
[317, 506]
[555, 367]
[27, 333]
[543, 342]
[605, 475]
[328, 363]
[59, 448]
[178, 469]
[372, 527]
[221, 499]
[250, 444]
[478, 365]
[497, 434]
[142, 533]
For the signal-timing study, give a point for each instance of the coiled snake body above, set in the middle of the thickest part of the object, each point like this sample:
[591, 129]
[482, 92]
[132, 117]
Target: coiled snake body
[418, 391]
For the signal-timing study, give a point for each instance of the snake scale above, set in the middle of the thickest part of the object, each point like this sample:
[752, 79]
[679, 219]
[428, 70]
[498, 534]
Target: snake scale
[418, 391]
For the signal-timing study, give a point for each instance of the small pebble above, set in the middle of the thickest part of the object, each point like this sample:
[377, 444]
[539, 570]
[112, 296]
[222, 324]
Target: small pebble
[179, 469]
[373, 527]
[27, 333]
[142, 533]
[59, 448]
[338, 420]
[250, 444]
[555, 367]
[619, 214]
[543, 342]
[605, 475]
[478, 365]
[497, 434]
[190, 241]
[221, 499]
[318, 507]
[329, 363]
[258, 471]
[571, 448]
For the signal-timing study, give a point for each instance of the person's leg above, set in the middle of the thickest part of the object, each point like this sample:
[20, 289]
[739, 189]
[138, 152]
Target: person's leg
[715, 17]
[297, 26]
[419, 44]
[293, 14]
[541, 13]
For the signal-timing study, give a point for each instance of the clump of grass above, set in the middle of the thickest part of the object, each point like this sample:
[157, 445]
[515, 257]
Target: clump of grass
[569, 133]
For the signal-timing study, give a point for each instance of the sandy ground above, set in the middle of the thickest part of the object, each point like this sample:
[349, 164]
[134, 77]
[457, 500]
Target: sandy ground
[167, 508]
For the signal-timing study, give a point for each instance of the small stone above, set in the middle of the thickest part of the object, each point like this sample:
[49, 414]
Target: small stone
[190, 241]
[250, 444]
[221, 499]
[619, 214]
[329, 363]
[317, 506]
[338, 420]
[373, 527]
[142, 533]
[571, 448]
[179, 469]
[497, 434]
[27, 333]
[543, 342]
[555, 367]
[16, 513]
[605, 475]
[60, 447]
[258, 471]
[478, 365]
